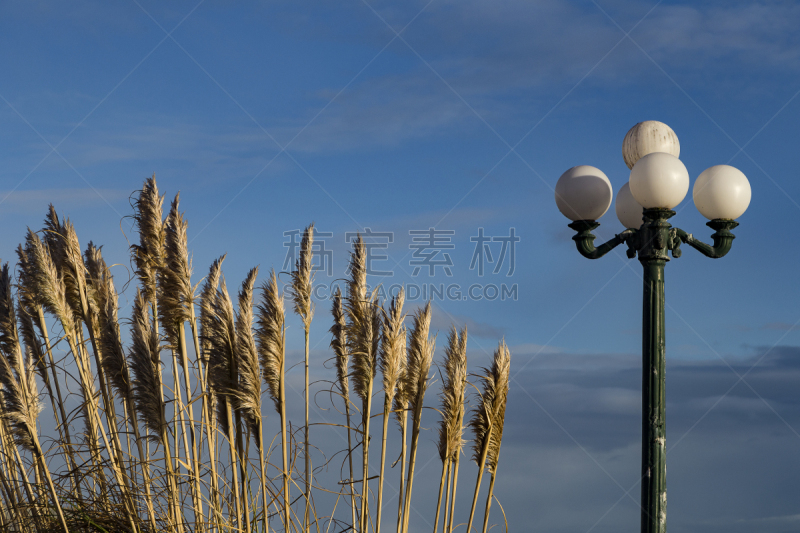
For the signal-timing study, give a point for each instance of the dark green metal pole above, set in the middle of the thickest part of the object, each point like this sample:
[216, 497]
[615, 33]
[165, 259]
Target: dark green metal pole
[655, 241]
[654, 464]
[652, 242]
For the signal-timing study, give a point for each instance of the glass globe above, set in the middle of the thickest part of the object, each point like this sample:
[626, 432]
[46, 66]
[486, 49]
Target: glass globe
[583, 193]
[659, 180]
[629, 211]
[721, 191]
[648, 137]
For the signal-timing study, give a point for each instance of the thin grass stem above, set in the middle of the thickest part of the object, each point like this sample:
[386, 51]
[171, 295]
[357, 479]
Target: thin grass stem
[488, 504]
[453, 497]
[442, 482]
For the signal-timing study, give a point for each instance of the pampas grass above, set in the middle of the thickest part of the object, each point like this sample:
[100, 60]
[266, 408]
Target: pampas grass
[451, 429]
[302, 278]
[248, 395]
[401, 414]
[74, 273]
[51, 286]
[145, 357]
[420, 357]
[114, 361]
[174, 281]
[342, 355]
[21, 405]
[392, 356]
[363, 336]
[148, 255]
[172, 466]
[487, 424]
[31, 312]
[272, 354]
[209, 398]
[220, 332]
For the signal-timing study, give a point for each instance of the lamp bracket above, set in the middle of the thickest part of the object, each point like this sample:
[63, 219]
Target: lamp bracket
[655, 238]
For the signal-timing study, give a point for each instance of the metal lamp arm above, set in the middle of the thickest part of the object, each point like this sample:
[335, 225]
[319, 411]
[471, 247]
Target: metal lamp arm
[584, 240]
[723, 238]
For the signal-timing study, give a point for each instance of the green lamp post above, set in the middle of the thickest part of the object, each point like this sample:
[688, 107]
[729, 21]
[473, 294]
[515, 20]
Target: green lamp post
[658, 183]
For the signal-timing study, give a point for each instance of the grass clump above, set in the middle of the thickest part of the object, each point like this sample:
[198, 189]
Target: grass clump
[161, 427]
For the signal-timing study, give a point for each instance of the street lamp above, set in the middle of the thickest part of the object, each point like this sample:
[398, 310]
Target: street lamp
[658, 183]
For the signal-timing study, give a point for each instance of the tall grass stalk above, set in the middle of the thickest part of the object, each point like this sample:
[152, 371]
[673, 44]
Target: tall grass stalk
[500, 375]
[401, 414]
[487, 423]
[248, 395]
[74, 270]
[66, 250]
[222, 377]
[447, 498]
[10, 467]
[104, 295]
[12, 501]
[342, 354]
[149, 259]
[392, 356]
[177, 298]
[363, 336]
[271, 337]
[31, 313]
[207, 295]
[242, 439]
[302, 279]
[16, 459]
[420, 357]
[50, 286]
[147, 392]
[21, 406]
[442, 482]
[451, 427]
[452, 498]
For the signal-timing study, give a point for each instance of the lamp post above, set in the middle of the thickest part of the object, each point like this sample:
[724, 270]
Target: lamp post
[658, 183]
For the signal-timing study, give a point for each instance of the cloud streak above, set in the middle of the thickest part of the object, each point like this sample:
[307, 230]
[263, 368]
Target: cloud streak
[25, 201]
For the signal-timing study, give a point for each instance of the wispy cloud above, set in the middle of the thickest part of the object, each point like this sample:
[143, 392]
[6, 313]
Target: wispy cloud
[380, 111]
[442, 323]
[159, 137]
[25, 201]
[522, 44]
[488, 52]
[780, 326]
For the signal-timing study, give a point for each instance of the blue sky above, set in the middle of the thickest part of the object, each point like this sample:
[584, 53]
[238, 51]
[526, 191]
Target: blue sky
[457, 116]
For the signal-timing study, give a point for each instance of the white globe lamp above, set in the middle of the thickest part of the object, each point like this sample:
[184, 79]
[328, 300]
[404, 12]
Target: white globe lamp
[629, 211]
[659, 180]
[648, 137]
[721, 191]
[583, 193]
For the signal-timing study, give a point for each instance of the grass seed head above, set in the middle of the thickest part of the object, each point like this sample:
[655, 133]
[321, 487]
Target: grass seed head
[393, 346]
[222, 350]
[176, 294]
[303, 277]
[363, 323]
[339, 342]
[488, 418]
[148, 255]
[145, 357]
[248, 393]
[420, 357]
[452, 395]
[270, 337]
